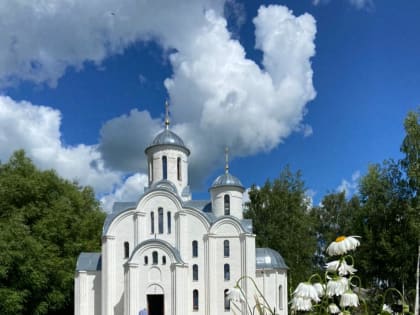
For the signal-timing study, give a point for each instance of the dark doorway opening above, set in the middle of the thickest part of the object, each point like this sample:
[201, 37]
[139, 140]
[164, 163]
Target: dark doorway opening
[155, 305]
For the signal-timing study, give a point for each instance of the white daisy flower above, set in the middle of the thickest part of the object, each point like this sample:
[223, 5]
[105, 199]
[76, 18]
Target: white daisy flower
[342, 267]
[301, 304]
[320, 289]
[306, 290]
[349, 298]
[337, 286]
[333, 308]
[342, 245]
[235, 295]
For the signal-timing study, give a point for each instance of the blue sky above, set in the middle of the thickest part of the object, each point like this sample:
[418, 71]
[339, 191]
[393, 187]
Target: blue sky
[323, 86]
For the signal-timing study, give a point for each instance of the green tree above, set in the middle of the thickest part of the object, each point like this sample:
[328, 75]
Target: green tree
[389, 216]
[411, 149]
[389, 228]
[282, 221]
[45, 222]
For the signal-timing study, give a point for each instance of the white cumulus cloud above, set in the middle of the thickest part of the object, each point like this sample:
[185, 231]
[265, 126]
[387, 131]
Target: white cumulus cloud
[131, 189]
[349, 186]
[219, 96]
[36, 129]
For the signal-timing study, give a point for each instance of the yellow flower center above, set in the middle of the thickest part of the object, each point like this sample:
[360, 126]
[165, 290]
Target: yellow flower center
[340, 239]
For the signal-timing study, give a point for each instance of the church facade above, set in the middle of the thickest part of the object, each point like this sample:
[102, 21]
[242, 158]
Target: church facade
[168, 254]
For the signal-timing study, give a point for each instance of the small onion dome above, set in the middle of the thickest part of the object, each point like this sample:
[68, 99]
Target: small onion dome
[267, 258]
[167, 137]
[227, 179]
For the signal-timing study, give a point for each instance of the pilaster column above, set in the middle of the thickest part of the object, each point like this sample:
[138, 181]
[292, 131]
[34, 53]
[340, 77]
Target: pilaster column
[181, 233]
[108, 274]
[211, 274]
[248, 265]
[181, 302]
[139, 231]
[81, 292]
[132, 286]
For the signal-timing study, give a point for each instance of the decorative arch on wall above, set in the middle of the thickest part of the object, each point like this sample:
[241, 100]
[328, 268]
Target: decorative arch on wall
[153, 245]
[232, 221]
[155, 288]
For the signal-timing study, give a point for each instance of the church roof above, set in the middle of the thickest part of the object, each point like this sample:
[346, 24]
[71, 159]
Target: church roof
[267, 258]
[203, 206]
[89, 262]
[168, 137]
[227, 179]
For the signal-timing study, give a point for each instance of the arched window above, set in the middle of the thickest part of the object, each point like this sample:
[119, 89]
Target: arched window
[126, 249]
[160, 220]
[280, 297]
[164, 167]
[227, 205]
[152, 222]
[154, 258]
[227, 272]
[194, 248]
[169, 221]
[195, 300]
[226, 249]
[227, 301]
[178, 168]
[195, 272]
[146, 260]
[163, 260]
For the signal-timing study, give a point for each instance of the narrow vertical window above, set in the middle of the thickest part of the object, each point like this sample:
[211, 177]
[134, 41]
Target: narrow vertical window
[195, 249]
[227, 272]
[126, 249]
[227, 301]
[160, 220]
[195, 272]
[164, 167]
[169, 221]
[163, 260]
[146, 260]
[280, 297]
[152, 222]
[178, 167]
[195, 300]
[154, 258]
[227, 205]
[151, 170]
[226, 249]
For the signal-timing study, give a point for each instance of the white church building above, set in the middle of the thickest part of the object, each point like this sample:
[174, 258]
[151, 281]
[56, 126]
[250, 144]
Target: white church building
[166, 254]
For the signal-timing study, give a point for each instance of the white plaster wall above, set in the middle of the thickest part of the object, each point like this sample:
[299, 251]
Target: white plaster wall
[268, 282]
[152, 204]
[193, 229]
[88, 293]
[123, 229]
[172, 153]
[225, 230]
[218, 201]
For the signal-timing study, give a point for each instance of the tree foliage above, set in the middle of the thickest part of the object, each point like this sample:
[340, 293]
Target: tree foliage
[281, 220]
[390, 228]
[411, 149]
[45, 222]
[385, 213]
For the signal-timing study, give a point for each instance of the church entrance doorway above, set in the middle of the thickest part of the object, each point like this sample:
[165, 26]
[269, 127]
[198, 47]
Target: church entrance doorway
[155, 305]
